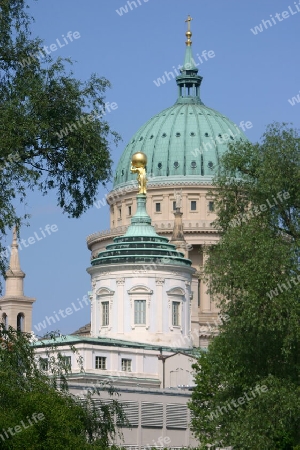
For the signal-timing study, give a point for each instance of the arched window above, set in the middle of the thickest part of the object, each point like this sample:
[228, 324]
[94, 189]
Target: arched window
[20, 322]
[5, 320]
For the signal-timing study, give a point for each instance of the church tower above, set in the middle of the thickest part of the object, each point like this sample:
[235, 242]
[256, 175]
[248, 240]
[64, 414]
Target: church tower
[16, 308]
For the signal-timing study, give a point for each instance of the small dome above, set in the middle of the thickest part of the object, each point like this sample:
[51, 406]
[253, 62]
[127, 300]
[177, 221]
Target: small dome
[141, 244]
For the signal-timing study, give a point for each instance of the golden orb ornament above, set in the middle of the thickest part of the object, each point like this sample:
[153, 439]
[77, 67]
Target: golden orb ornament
[139, 159]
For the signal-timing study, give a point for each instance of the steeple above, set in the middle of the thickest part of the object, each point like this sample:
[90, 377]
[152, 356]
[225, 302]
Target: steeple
[16, 308]
[189, 82]
[14, 275]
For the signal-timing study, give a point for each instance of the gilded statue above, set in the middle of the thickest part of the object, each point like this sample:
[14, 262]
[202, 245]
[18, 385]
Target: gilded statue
[138, 164]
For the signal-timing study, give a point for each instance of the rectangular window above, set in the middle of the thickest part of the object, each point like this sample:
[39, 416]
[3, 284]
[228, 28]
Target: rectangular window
[157, 207]
[129, 210]
[44, 364]
[211, 206]
[126, 365]
[193, 205]
[105, 314]
[67, 362]
[140, 312]
[174, 206]
[100, 362]
[175, 313]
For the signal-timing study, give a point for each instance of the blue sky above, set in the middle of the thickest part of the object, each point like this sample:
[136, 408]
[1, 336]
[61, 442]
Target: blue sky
[250, 78]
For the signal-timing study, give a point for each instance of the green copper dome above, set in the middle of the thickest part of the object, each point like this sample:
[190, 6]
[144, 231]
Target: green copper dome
[141, 244]
[185, 140]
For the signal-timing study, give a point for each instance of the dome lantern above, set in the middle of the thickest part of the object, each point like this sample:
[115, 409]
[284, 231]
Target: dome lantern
[189, 81]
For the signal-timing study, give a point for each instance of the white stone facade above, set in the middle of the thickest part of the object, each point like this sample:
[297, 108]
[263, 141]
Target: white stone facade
[199, 232]
[148, 303]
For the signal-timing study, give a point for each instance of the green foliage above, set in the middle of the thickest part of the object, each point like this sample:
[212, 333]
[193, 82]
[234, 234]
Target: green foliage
[254, 276]
[66, 421]
[53, 135]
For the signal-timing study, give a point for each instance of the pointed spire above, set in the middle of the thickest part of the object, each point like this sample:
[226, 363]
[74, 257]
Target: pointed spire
[14, 274]
[16, 307]
[189, 81]
[189, 62]
[14, 263]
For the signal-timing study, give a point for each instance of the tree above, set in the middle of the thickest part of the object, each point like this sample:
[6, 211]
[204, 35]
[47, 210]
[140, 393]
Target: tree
[247, 391]
[38, 412]
[53, 135]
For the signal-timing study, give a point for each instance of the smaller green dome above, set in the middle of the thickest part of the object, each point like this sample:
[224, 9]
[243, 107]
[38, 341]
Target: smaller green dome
[141, 244]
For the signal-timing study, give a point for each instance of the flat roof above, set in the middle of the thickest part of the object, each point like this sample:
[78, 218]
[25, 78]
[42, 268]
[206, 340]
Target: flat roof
[108, 342]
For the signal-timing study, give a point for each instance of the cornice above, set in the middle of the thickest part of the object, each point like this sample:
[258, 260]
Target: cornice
[161, 182]
[119, 231]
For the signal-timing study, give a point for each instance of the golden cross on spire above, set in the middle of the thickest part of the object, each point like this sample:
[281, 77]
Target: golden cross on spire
[188, 20]
[189, 33]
